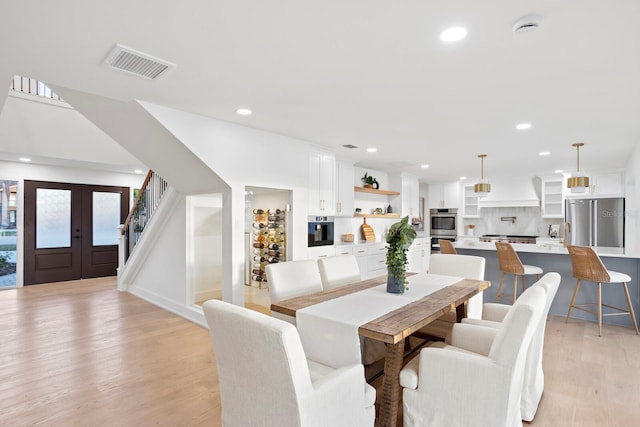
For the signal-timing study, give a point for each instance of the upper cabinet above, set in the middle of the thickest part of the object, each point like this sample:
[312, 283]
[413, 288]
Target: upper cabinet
[410, 196]
[444, 195]
[552, 197]
[607, 184]
[321, 183]
[344, 189]
[470, 202]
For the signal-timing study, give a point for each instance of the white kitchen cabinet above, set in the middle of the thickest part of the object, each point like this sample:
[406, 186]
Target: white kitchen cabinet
[344, 189]
[470, 202]
[418, 255]
[444, 195]
[321, 184]
[552, 197]
[316, 252]
[372, 259]
[410, 196]
[344, 249]
[606, 184]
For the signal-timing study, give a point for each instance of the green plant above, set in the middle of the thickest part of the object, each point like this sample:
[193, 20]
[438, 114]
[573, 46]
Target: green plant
[368, 179]
[399, 239]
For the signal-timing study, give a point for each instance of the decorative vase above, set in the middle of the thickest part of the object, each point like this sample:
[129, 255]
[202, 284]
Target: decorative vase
[395, 285]
[376, 184]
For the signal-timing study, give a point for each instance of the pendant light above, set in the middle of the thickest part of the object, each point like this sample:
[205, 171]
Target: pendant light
[483, 187]
[578, 182]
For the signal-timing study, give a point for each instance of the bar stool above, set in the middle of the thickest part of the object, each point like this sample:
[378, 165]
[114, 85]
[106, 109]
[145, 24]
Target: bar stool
[587, 265]
[446, 247]
[510, 264]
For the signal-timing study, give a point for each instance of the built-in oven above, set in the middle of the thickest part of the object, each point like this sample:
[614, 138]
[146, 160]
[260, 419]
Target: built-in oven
[320, 231]
[443, 222]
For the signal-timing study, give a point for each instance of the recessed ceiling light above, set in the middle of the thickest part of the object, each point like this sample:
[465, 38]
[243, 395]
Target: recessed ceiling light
[137, 171]
[557, 171]
[544, 153]
[462, 178]
[244, 111]
[424, 166]
[371, 150]
[24, 159]
[453, 34]
[523, 126]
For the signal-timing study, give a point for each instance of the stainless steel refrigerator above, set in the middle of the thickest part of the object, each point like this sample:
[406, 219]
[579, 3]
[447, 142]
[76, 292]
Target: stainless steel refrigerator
[595, 222]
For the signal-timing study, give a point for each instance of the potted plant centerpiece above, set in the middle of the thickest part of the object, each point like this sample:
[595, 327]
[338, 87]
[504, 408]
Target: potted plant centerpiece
[399, 239]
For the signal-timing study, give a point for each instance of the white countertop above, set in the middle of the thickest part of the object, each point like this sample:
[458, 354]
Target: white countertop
[552, 248]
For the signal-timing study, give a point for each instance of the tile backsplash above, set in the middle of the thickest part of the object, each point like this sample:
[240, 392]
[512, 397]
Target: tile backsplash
[528, 221]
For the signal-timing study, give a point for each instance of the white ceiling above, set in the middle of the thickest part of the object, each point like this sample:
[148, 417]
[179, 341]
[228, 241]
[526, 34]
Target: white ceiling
[366, 72]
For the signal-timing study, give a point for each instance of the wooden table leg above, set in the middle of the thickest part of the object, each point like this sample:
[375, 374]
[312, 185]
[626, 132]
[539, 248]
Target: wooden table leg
[461, 311]
[390, 401]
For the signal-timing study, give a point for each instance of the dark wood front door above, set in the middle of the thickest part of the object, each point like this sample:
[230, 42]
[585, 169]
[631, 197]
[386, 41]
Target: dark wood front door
[70, 230]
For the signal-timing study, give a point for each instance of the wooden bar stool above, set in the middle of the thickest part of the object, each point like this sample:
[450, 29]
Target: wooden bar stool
[510, 264]
[587, 265]
[446, 247]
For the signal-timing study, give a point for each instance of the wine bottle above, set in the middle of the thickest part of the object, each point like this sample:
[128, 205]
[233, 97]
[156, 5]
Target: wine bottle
[275, 211]
[258, 211]
[259, 225]
[259, 258]
[273, 260]
[257, 278]
[257, 271]
[258, 245]
[274, 253]
[273, 246]
[275, 218]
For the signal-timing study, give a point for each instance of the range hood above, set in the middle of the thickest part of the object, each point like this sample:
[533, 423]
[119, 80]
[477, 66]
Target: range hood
[513, 191]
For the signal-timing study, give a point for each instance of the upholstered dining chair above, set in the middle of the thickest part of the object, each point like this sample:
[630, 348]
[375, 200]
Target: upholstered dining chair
[533, 385]
[265, 379]
[466, 266]
[292, 279]
[510, 263]
[476, 378]
[446, 247]
[588, 266]
[339, 270]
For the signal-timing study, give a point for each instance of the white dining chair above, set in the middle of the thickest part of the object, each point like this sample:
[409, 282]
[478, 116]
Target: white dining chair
[292, 279]
[339, 270]
[265, 379]
[464, 266]
[533, 385]
[476, 378]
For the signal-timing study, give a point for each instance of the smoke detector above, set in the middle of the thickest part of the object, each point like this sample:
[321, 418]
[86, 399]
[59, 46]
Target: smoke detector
[140, 64]
[526, 24]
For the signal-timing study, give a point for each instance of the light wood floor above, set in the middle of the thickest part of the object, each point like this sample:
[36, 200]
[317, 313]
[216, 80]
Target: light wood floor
[82, 353]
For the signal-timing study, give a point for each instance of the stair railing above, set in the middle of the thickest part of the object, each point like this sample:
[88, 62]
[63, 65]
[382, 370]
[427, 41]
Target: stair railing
[144, 206]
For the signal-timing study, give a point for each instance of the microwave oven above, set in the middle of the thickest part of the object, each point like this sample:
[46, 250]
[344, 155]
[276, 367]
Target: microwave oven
[320, 231]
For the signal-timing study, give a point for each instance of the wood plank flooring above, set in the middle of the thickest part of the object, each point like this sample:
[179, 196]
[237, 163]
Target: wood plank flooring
[81, 353]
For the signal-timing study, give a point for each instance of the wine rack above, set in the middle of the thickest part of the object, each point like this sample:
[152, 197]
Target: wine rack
[268, 242]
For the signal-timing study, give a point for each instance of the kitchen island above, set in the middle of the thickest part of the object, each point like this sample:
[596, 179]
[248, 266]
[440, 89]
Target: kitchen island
[555, 257]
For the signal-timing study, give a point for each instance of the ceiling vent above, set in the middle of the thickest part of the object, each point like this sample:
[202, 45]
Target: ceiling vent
[137, 63]
[350, 146]
[526, 24]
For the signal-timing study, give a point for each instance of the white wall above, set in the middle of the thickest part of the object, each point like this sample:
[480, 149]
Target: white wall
[632, 200]
[242, 157]
[20, 172]
[204, 246]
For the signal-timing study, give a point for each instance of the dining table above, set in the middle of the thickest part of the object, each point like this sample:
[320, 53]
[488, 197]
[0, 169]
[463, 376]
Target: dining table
[331, 323]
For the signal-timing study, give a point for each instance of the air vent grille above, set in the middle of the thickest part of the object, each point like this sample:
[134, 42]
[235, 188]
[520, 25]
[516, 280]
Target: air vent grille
[350, 146]
[133, 62]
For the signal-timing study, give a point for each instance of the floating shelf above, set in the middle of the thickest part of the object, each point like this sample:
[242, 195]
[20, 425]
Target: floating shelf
[391, 215]
[374, 191]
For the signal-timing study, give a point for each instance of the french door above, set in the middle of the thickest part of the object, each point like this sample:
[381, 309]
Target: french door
[71, 230]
